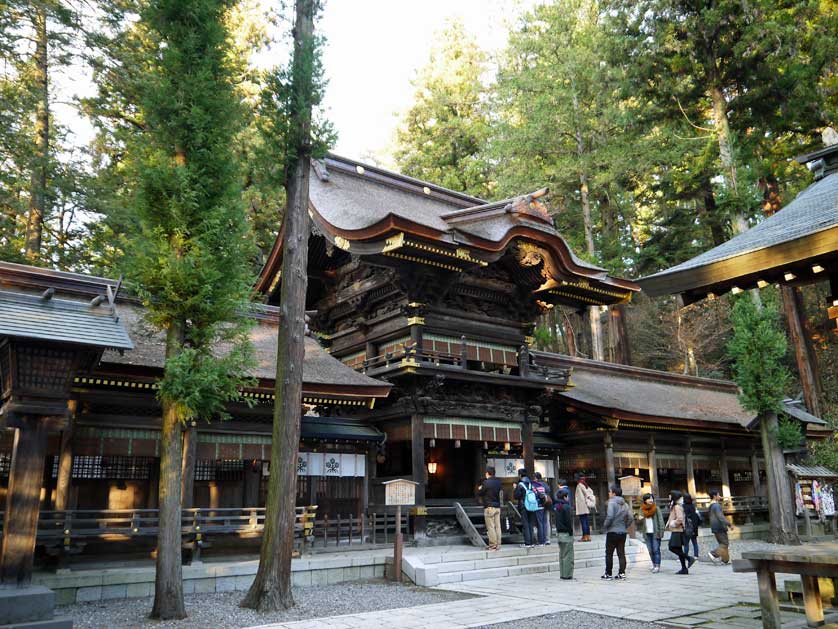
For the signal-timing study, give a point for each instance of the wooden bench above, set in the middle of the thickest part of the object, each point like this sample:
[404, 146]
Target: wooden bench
[810, 562]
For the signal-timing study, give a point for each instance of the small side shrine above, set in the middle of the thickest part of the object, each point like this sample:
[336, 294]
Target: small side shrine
[44, 343]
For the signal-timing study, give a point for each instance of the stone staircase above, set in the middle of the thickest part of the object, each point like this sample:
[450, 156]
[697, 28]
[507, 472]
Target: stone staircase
[434, 566]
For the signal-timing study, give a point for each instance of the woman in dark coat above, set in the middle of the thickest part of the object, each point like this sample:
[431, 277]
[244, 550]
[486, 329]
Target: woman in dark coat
[691, 533]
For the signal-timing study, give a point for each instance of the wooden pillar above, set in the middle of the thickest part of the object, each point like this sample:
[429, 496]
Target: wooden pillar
[417, 436]
[251, 483]
[610, 467]
[65, 463]
[153, 485]
[23, 499]
[803, 353]
[529, 452]
[653, 465]
[524, 361]
[187, 481]
[724, 473]
[755, 473]
[690, 468]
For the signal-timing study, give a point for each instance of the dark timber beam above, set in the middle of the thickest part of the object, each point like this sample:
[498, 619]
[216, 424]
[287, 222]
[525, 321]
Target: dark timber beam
[23, 500]
[63, 484]
[417, 437]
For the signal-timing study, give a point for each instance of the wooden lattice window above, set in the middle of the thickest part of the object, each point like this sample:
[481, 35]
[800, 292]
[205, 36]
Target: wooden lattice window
[219, 470]
[5, 464]
[109, 467]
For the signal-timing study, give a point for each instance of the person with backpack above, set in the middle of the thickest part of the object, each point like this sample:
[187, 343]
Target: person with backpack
[692, 520]
[545, 503]
[617, 520]
[676, 523]
[651, 524]
[527, 505]
[564, 528]
[585, 503]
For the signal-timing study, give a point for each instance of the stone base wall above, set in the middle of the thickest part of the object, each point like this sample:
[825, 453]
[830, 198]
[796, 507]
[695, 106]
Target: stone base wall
[95, 585]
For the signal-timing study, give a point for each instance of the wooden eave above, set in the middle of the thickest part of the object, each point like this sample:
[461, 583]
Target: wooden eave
[399, 238]
[769, 264]
[628, 420]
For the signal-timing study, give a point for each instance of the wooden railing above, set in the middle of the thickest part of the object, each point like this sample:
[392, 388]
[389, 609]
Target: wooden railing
[67, 532]
[411, 351]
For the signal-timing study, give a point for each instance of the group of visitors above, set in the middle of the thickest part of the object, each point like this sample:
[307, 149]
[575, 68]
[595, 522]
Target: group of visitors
[535, 501]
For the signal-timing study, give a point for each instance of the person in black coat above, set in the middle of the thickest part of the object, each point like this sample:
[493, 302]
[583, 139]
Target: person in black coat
[564, 527]
[691, 514]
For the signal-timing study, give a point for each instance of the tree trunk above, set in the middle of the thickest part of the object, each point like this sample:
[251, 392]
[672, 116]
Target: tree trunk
[783, 530]
[168, 581]
[726, 154]
[271, 589]
[37, 194]
[187, 474]
[569, 334]
[806, 359]
[711, 213]
[618, 332]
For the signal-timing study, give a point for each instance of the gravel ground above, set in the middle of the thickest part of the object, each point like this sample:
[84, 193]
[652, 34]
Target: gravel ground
[572, 620]
[217, 610]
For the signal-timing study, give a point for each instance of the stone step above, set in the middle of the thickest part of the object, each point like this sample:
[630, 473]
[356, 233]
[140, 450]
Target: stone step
[529, 568]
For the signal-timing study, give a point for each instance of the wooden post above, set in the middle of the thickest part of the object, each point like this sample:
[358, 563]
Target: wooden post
[251, 484]
[690, 468]
[610, 467]
[653, 465]
[803, 354]
[529, 452]
[23, 498]
[417, 435]
[812, 602]
[768, 598]
[724, 473]
[153, 485]
[397, 546]
[755, 473]
[190, 450]
[524, 361]
[65, 463]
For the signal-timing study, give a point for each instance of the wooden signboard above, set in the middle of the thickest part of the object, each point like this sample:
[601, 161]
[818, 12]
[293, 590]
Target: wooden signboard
[631, 485]
[399, 493]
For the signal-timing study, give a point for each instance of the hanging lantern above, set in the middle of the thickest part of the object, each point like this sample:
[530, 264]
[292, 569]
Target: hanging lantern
[432, 467]
[456, 443]
[507, 446]
[432, 443]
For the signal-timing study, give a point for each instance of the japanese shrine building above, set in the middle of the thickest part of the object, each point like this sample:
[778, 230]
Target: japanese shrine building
[421, 368]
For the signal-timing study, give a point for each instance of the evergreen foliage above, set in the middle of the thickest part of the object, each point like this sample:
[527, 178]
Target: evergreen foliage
[444, 136]
[789, 433]
[757, 349]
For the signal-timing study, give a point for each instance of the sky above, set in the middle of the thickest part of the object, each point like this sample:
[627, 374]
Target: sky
[372, 53]
[375, 47]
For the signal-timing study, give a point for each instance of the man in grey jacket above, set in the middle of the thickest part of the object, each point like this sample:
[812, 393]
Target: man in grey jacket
[617, 520]
[719, 525]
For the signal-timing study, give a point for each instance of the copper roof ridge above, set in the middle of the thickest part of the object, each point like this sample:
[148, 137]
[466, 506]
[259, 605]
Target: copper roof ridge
[397, 180]
[493, 205]
[37, 271]
[640, 372]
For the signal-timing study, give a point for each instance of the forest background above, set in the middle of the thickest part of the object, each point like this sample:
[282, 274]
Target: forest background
[661, 128]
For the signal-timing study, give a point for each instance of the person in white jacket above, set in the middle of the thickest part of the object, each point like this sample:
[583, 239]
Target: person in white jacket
[584, 502]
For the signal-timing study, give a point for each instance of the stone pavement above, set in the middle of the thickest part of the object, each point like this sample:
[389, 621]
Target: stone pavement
[664, 597]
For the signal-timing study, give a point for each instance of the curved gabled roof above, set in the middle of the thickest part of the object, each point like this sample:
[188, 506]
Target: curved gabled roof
[357, 207]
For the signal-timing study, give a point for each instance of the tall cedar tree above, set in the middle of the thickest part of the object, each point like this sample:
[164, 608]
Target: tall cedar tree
[190, 257]
[42, 180]
[444, 135]
[758, 348]
[559, 125]
[296, 135]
